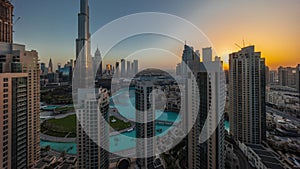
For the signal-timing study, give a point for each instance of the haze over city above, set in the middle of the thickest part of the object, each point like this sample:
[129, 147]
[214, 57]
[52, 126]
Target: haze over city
[50, 26]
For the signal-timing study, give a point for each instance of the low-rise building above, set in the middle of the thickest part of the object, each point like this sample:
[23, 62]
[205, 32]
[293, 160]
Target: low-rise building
[262, 158]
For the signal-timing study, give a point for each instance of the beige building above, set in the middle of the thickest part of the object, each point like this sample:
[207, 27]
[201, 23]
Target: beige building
[30, 65]
[20, 68]
[13, 110]
[15, 59]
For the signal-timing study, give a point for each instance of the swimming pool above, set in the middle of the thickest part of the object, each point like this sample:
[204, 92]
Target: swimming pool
[117, 143]
[227, 125]
[125, 140]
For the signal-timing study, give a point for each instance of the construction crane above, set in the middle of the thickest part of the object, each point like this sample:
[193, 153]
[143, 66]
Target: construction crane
[238, 46]
[17, 20]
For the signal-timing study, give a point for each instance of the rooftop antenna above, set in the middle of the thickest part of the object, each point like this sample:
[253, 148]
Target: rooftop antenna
[243, 42]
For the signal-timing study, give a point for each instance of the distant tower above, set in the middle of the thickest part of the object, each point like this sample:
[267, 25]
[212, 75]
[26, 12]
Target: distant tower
[128, 69]
[123, 73]
[117, 70]
[97, 64]
[50, 66]
[135, 68]
[298, 78]
[247, 96]
[207, 54]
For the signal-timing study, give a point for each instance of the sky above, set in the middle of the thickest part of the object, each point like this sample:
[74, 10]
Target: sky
[50, 27]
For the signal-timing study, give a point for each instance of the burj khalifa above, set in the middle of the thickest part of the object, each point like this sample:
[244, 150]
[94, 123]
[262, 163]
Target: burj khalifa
[91, 129]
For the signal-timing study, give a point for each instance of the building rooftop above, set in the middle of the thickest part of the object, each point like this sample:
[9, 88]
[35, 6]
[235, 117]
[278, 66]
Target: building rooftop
[268, 158]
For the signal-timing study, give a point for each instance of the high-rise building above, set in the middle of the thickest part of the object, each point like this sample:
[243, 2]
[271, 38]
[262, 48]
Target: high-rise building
[287, 76]
[207, 54]
[24, 94]
[84, 70]
[215, 128]
[298, 78]
[97, 61]
[117, 70]
[247, 96]
[128, 69]
[30, 65]
[93, 130]
[145, 132]
[135, 68]
[273, 77]
[43, 67]
[123, 72]
[50, 66]
[13, 110]
[6, 23]
[267, 76]
[209, 82]
[21, 61]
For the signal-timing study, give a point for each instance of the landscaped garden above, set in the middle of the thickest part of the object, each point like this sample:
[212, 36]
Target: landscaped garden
[118, 124]
[67, 126]
[60, 127]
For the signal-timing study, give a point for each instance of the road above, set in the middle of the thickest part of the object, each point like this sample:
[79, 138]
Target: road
[285, 115]
[243, 161]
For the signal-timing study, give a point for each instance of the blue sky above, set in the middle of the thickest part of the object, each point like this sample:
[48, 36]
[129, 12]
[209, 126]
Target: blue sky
[50, 26]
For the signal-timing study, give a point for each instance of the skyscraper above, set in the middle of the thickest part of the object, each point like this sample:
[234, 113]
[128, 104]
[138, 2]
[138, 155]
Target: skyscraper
[24, 104]
[50, 66]
[84, 70]
[6, 23]
[215, 117]
[123, 72]
[247, 96]
[20, 68]
[267, 76]
[97, 64]
[287, 76]
[92, 130]
[128, 69]
[209, 82]
[145, 132]
[13, 110]
[298, 78]
[117, 70]
[273, 77]
[30, 65]
[135, 68]
[207, 54]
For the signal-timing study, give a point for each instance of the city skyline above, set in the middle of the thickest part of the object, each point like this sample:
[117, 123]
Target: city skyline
[149, 89]
[60, 45]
